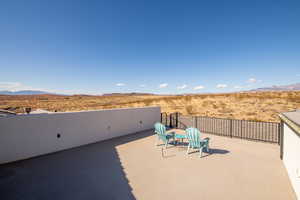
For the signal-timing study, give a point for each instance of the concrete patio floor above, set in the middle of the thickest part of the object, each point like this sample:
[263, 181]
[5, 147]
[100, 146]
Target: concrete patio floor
[131, 167]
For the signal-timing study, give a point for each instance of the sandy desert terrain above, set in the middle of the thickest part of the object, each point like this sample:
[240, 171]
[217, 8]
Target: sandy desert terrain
[259, 106]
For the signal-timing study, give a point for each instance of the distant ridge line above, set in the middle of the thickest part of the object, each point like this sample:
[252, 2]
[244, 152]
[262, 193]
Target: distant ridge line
[24, 92]
[291, 87]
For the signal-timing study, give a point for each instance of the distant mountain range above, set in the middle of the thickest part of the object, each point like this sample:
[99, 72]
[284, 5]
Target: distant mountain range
[23, 92]
[127, 94]
[38, 92]
[291, 87]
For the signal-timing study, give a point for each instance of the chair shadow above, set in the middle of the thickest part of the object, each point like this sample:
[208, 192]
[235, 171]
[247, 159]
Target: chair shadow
[215, 151]
[184, 144]
[211, 152]
[164, 149]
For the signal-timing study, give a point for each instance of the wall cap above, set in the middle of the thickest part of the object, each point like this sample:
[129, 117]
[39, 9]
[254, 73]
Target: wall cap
[290, 122]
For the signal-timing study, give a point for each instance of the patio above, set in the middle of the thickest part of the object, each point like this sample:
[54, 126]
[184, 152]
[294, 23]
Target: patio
[131, 167]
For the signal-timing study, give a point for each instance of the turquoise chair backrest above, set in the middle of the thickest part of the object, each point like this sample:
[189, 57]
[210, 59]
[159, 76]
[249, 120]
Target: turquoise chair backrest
[160, 128]
[193, 136]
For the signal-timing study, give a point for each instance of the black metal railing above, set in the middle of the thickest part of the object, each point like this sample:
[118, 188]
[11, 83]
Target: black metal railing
[164, 118]
[170, 120]
[244, 129]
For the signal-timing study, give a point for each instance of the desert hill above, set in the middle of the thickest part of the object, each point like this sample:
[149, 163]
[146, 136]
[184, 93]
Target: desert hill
[260, 106]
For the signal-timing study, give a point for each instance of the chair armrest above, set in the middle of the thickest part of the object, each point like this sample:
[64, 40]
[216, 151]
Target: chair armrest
[180, 136]
[205, 141]
[170, 135]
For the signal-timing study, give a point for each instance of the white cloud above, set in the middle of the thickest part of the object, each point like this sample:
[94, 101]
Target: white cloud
[14, 86]
[163, 85]
[120, 84]
[221, 86]
[142, 85]
[182, 87]
[251, 80]
[199, 87]
[238, 87]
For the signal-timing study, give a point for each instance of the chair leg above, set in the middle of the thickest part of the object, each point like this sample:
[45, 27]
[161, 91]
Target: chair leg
[187, 152]
[207, 148]
[200, 152]
[166, 144]
[156, 142]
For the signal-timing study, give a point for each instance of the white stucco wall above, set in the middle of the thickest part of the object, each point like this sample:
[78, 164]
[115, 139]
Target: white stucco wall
[291, 157]
[27, 136]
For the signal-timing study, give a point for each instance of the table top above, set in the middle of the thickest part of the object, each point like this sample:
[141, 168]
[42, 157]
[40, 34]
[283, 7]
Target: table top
[180, 136]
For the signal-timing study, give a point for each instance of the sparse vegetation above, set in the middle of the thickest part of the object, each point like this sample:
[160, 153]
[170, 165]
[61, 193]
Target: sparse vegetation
[261, 106]
[189, 109]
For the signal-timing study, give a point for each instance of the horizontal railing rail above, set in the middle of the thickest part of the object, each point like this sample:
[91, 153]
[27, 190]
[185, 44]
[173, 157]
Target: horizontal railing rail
[244, 129]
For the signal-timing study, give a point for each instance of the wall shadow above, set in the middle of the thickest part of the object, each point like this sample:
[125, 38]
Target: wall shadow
[88, 172]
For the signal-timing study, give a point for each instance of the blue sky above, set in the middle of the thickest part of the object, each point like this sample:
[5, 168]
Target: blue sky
[99, 47]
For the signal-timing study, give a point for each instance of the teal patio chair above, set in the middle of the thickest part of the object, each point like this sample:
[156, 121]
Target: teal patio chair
[195, 141]
[162, 134]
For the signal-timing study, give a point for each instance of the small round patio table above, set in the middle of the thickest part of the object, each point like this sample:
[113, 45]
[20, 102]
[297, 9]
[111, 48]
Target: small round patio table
[180, 136]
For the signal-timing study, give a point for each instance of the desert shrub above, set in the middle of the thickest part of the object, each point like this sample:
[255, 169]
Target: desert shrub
[294, 99]
[226, 110]
[254, 119]
[189, 109]
[188, 98]
[269, 103]
[250, 113]
[147, 103]
[207, 103]
[222, 105]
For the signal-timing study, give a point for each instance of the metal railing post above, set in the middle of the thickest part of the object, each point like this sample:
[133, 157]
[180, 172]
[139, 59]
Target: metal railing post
[281, 133]
[177, 114]
[280, 130]
[231, 121]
